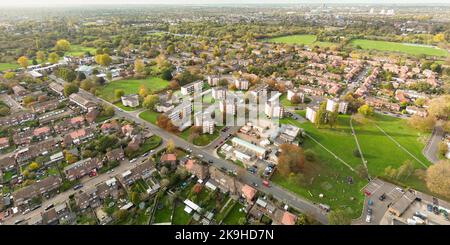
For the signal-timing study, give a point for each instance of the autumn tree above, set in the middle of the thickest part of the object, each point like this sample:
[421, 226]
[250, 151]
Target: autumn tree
[118, 93]
[23, 61]
[424, 124]
[339, 217]
[103, 59]
[296, 99]
[53, 58]
[40, 56]
[440, 107]
[438, 178]
[150, 101]
[365, 110]
[143, 91]
[291, 159]
[170, 148]
[139, 65]
[70, 88]
[62, 45]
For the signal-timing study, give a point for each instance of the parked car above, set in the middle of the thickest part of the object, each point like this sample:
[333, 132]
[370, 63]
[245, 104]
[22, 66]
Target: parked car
[382, 197]
[370, 202]
[369, 211]
[266, 183]
[79, 186]
[255, 184]
[368, 218]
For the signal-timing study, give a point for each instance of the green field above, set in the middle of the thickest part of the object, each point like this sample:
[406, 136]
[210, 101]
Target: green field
[328, 175]
[131, 86]
[163, 214]
[180, 217]
[8, 66]
[149, 116]
[234, 215]
[203, 139]
[78, 50]
[309, 40]
[399, 47]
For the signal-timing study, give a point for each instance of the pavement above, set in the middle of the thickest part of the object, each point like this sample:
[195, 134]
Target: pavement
[431, 150]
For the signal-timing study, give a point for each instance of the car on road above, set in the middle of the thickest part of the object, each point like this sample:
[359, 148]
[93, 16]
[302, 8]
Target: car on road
[18, 221]
[266, 183]
[223, 168]
[210, 161]
[151, 152]
[79, 186]
[145, 154]
[200, 156]
[368, 218]
[133, 160]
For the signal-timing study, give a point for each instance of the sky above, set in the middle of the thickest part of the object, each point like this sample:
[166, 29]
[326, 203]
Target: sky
[83, 2]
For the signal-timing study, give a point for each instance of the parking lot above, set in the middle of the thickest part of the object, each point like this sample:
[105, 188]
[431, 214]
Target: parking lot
[373, 191]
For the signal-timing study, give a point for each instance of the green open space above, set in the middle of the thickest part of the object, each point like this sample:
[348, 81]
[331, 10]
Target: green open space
[309, 40]
[234, 215]
[149, 144]
[131, 86]
[163, 211]
[328, 176]
[411, 49]
[180, 217]
[79, 50]
[126, 108]
[203, 139]
[8, 66]
[149, 116]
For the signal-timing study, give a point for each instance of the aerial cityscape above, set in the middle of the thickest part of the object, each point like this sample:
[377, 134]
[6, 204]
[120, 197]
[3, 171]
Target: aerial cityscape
[225, 113]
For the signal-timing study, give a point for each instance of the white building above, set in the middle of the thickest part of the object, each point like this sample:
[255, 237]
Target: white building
[241, 84]
[192, 87]
[311, 114]
[342, 106]
[181, 115]
[273, 109]
[204, 120]
[213, 80]
[219, 93]
[259, 94]
[131, 100]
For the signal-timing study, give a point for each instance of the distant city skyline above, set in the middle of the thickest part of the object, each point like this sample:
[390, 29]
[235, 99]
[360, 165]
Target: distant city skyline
[188, 2]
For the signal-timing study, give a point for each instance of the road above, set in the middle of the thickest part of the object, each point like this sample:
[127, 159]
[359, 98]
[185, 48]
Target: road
[431, 150]
[88, 182]
[277, 192]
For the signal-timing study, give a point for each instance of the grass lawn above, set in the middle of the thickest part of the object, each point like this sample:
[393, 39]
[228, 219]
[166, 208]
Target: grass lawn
[78, 50]
[203, 139]
[399, 47]
[328, 176]
[225, 209]
[131, 86]
[180, 217]
[163, 215]
[7, 176]
[8, 66]
[310, 40]
[149, 116]
[234, 215]
[149, 144]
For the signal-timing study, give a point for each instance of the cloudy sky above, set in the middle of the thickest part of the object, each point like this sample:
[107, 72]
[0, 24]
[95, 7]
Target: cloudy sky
[78, 2]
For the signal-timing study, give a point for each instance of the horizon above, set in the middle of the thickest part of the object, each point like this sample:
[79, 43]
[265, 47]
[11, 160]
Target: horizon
[46, 3]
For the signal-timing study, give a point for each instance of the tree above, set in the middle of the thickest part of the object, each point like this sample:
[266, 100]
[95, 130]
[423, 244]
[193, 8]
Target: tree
[438, 178]
[332, 117]
[443, 148]
[166, 74]
[62, 45]
[70, 158]
[339, 217]
[103, 59]
[40, 56]
[365, 110]
[150, 101]
[291, 159]
[391, 172]
[86, 85]
[9, 75]
[143, 91]
[53, 58]
[405, 170]
[139, 66]
[33, 166]
[170, 148]
[70, 88]
[440, 107]
[161, 61]
[321, 116]
[28, 100]
[23, 61]
[424, 124]
[296, 99]
[118, 93]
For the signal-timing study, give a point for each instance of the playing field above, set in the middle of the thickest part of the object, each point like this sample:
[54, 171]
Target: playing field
[8, 66]
[131, 86]
[329, 176]
[411, 49]
[78, 50]
[310, 40]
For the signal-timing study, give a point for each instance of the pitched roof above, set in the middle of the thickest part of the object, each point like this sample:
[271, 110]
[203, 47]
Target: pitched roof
[288, 218]
[249, 192]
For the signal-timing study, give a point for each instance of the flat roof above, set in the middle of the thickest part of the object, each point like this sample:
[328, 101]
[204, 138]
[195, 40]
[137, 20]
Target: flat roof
[248, 145]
